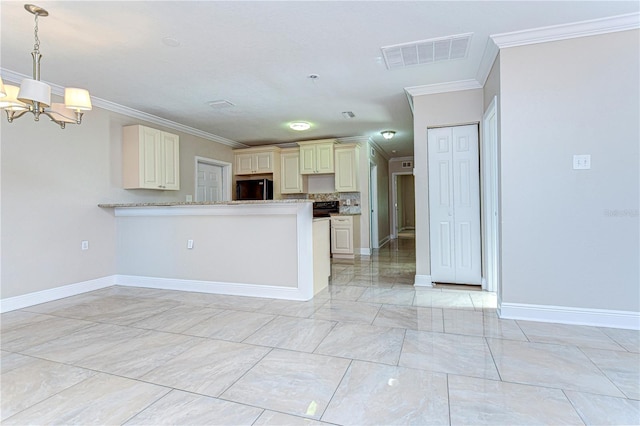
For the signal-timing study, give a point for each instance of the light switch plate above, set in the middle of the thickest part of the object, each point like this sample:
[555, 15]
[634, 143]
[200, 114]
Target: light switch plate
[581, 161]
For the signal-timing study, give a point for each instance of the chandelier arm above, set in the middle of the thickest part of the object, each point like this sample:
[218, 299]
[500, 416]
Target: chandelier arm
[58, 122]
[12, 115]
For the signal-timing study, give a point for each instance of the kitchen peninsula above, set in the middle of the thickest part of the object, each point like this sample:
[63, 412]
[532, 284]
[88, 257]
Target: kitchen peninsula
[271, 248]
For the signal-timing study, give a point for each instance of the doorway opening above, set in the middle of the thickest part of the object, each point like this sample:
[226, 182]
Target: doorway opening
[404, 205]
[491, 213]
[212, 180]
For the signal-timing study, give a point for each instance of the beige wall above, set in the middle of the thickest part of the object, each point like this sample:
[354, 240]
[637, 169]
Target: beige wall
[570, 237]
[443, 109]
[52, 181]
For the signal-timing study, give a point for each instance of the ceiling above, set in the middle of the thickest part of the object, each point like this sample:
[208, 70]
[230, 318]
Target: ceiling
[259, 55]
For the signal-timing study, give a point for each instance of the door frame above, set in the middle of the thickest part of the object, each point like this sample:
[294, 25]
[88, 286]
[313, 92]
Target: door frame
[490, 198]
[394, 201]
[373, 204]
[226, 176]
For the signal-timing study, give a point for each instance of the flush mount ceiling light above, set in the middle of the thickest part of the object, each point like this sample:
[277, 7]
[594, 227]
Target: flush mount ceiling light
[388, 134]
[35, 96]
[300, 125]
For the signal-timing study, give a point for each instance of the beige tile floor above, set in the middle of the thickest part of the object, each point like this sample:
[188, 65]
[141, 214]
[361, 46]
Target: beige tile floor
[370, 350]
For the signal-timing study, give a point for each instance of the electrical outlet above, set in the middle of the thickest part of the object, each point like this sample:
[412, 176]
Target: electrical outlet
[85, 245]
[581, 162]
[189, 198]
[189, 244]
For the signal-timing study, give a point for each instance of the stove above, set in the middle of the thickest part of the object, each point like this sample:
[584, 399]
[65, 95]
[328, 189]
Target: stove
[325, 208]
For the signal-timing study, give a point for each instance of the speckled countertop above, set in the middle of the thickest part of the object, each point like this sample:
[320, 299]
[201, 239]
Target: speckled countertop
[203, 203]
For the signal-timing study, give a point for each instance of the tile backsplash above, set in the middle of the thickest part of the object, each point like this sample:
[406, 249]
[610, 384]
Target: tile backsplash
[349, 201]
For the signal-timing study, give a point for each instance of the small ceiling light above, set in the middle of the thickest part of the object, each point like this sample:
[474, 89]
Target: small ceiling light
[34, 95]
[388, 134]
[300, 125]
[170, 42]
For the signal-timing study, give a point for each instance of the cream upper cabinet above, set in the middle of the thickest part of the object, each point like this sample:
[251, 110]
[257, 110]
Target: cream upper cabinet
[251, 161]
[346, 164]
[150, 159]
[316, 157]
[291, 181]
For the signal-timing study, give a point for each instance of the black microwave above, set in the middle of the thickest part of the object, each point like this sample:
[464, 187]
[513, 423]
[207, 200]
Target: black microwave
[254, 189]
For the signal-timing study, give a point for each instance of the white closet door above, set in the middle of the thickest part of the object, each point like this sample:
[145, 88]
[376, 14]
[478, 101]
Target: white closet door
[454, 204]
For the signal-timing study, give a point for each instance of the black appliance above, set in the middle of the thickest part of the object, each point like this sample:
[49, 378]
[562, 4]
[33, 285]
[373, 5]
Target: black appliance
[255, 189]
[325, 208]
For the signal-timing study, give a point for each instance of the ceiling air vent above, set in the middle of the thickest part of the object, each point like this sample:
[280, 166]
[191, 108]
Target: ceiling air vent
[220, 104]
[426, 51]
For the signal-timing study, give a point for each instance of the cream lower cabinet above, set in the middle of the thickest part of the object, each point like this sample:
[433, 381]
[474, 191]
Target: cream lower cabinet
[342, 237]
[291, 181]
[346, 165]
[150, 159]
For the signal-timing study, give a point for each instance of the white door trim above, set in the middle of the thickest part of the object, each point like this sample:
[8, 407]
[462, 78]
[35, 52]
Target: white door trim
[491, 213]
[226, 176]
[373, 205]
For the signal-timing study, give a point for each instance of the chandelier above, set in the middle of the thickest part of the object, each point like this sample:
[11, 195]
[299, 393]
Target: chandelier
[34, 95]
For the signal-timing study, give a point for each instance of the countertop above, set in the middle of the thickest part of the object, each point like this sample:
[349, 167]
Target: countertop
[202, 203]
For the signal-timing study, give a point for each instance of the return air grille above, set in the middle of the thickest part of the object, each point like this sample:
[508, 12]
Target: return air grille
[426, 51]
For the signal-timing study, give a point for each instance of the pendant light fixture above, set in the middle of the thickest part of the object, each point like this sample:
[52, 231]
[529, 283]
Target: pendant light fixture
[34, 95]
[388, 134]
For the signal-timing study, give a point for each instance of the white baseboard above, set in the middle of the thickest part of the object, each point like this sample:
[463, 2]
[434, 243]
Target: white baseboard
[568, 315]
[38, 297]
[365, 251]
[423, 281]
[234, 289]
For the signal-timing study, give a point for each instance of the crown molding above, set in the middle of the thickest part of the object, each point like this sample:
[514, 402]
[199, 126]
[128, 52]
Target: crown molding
[451, 86]
[489, 56]
[354, 139]
[56, 89]
[611, 24]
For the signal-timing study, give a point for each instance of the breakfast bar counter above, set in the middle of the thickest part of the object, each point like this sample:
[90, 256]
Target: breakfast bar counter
[271, 248]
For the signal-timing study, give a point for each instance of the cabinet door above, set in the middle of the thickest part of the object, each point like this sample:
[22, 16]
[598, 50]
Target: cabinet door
[244, 164]
[307, 160]
[150, 158]
[263, 162]
[171, 161]
[346, 170]
[342, 235]
[324, 158]
[291, 180]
